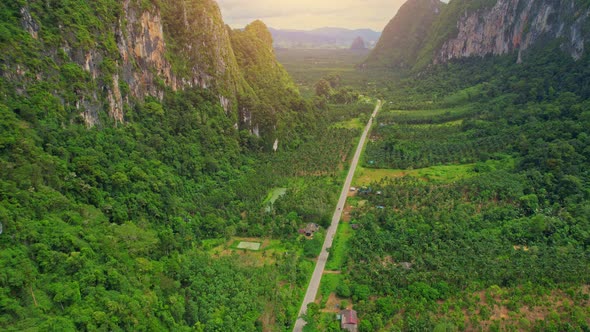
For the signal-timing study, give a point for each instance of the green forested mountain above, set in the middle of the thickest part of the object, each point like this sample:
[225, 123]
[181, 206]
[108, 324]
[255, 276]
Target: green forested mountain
[132, 145]
[137, 147]
[404, 36]
[103, 57]
[279, 104]
[478, 28]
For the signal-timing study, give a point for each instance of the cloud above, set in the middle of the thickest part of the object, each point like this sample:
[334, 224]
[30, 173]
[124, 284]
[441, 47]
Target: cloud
[309, 14]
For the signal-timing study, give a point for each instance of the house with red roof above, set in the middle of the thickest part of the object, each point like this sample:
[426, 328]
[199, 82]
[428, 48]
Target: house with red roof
[349, 320]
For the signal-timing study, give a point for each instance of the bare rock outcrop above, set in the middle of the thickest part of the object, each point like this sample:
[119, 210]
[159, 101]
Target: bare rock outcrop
[516, 25]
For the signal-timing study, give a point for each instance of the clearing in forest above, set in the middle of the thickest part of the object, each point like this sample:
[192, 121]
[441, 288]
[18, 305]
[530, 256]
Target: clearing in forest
[349, 124]
[266, 253]
[249, 245]
[443, 173]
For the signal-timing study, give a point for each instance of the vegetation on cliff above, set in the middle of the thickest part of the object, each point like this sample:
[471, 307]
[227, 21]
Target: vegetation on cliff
[404, 36]
[278, 108]
[445, 27]
[424, 32]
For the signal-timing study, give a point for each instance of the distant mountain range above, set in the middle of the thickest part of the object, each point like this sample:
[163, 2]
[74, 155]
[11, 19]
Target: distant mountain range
[322, 38]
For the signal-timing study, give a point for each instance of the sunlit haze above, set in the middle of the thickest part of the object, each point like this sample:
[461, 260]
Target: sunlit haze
[310, 14]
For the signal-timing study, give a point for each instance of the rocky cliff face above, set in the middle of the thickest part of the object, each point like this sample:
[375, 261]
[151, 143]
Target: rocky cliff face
[415, 38]
[134, 49]
[516, 25]
[199, 49]
[202, 50]
[274, 91]
[404, 35]
[142, 46]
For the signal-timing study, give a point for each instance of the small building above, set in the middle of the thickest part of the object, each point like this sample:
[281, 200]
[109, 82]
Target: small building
[349, 320]
[310, 229]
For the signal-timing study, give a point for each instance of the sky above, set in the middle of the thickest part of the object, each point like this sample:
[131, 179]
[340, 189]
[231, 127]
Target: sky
[310, 14]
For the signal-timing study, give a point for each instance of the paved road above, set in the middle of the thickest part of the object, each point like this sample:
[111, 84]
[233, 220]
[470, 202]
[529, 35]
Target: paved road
[316, 277]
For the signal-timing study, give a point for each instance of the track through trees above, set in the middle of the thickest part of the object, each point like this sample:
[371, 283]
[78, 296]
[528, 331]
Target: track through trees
[316, 277]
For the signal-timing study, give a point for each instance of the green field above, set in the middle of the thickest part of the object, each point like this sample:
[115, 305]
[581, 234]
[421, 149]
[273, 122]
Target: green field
[274, 194]
[350, 124]
[426, 116]
[272, 197]
[339, 248]
[328, 286]
[425, 113]
[446, 173]
[270, 249]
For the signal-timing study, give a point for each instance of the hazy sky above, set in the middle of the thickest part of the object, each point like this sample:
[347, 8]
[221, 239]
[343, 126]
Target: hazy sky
[309, 14]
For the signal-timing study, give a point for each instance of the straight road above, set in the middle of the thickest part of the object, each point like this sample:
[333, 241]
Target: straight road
[316, 277]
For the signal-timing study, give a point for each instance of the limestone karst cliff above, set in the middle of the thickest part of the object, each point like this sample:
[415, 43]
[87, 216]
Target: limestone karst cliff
[405, 34]
[267, 78]
[516, 25]
[466, 28]
[103, 57]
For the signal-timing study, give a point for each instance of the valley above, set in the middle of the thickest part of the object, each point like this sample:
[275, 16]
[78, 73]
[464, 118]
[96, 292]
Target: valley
[318, 272]
[161, 171]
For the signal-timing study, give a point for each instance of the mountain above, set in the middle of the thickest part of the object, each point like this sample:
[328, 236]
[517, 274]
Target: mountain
[478, 28]
[322, 37]
[405, 34]
[131, 134]
[268, 79]
[358, 44]
[506, 26]
[111, 56]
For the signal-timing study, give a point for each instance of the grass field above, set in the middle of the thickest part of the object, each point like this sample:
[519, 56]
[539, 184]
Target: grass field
[427, 113]
[339, 247]
[272, 197]
[266, 254]
[249, 245]
[328, 285]
[444, 173]
[274, 194]
[443, 115]
[350, 124]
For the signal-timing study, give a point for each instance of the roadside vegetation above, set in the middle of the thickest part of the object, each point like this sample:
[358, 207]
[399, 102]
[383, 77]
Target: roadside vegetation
[475, 210]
